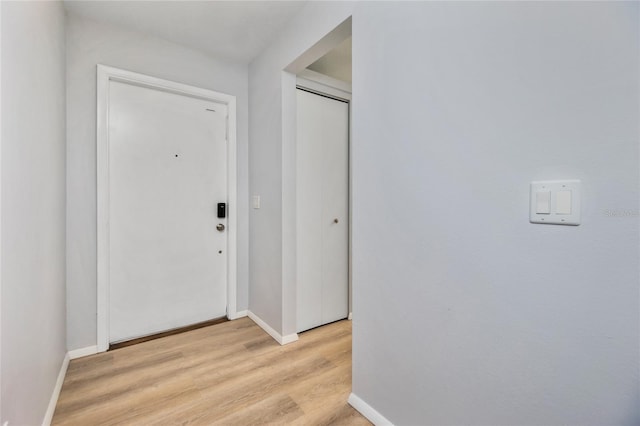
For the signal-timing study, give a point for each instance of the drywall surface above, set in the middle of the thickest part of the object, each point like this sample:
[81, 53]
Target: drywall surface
[271, 284]
[90, 43]
[464, 312]
[336, 63]
[33, 208]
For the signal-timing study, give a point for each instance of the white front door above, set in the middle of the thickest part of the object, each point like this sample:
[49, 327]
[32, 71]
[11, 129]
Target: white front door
[167, 173]
[322, 210]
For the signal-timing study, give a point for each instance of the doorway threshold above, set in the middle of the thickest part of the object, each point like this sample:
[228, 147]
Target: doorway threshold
[120, 345]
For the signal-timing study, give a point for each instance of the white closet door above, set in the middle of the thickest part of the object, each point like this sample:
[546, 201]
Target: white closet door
[167, 172]
[322, 210]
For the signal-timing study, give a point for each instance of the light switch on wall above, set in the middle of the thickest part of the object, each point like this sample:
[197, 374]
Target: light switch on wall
[555, 202]
[543, 202]
[256, 201]
[563, 202]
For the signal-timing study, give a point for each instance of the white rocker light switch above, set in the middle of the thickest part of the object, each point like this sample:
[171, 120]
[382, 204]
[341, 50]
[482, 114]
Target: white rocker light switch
[543, 202]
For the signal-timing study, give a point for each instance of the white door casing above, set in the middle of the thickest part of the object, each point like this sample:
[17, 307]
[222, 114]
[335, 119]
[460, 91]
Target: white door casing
[322, 210]
[160, 196]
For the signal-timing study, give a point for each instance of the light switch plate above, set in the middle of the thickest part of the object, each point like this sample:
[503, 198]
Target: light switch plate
[558, 190]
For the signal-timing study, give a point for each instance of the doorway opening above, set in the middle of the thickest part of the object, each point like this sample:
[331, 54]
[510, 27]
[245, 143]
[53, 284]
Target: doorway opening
[316, 249]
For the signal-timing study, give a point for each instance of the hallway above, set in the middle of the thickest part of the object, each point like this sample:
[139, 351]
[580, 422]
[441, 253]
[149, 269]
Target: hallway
[230, 373]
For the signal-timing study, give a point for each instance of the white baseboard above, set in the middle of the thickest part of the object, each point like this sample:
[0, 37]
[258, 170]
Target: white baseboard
[79, 353]
[368, 411]
[289, 338]
[350, 317]
[283, 340]
[238, 314]
[51, 409]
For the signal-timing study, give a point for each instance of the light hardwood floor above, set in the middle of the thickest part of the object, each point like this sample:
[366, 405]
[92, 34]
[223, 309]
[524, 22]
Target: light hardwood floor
[227, 374]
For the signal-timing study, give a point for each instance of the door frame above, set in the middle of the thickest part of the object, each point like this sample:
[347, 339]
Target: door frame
[106, 74]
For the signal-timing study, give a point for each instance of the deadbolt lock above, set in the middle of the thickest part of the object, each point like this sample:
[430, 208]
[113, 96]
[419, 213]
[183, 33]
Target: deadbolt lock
[220, 227]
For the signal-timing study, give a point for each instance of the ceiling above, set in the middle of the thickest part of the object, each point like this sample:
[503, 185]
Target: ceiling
[336, 63]
[235, 30]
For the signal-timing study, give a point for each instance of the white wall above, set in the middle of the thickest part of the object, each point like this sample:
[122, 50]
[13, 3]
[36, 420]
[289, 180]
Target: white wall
[486, 318]
[337, 63]
[90, 43]
[33, 208]
[1, 417]
[272, 170]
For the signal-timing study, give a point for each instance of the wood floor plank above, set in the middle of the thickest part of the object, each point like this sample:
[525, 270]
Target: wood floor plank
[228, 374]
[263, 412]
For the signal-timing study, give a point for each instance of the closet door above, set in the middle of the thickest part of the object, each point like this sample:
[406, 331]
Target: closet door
[322, 209]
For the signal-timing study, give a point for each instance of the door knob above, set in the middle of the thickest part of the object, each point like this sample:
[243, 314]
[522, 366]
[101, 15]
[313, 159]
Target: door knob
[335, 220]
[220, 227]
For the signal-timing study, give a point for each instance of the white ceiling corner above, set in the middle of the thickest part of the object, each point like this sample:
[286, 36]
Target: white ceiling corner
[336, 63]
[234, 30]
